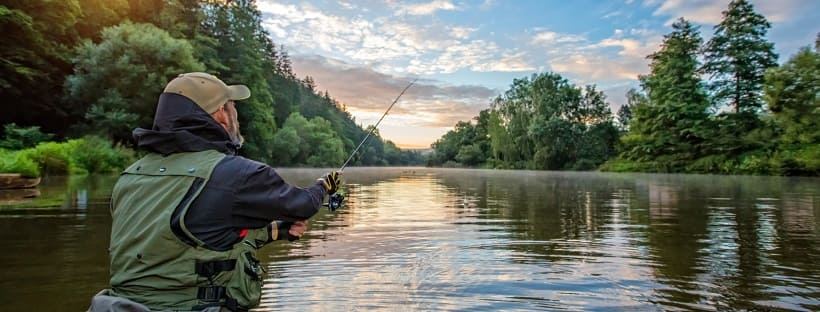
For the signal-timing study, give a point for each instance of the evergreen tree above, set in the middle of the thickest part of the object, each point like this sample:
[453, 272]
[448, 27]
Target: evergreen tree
[237, 26]
[670, 124]
[737, 57]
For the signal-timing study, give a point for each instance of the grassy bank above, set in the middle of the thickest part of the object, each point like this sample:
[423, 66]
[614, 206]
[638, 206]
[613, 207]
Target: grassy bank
[85, 155]
[795, 160]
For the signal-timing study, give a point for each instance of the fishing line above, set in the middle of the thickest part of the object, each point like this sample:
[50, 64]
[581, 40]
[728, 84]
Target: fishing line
[376, 126]
[337, 200]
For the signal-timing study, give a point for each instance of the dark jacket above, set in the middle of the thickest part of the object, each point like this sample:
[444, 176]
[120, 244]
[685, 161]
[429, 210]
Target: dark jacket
[241, 193]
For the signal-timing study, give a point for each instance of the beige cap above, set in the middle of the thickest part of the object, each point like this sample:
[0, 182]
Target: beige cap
[206, 90]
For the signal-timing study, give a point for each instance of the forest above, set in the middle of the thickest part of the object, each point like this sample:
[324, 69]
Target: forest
[724, 106]
[74, 68]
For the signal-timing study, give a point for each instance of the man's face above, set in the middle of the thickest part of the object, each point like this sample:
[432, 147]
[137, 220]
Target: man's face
[233, 123]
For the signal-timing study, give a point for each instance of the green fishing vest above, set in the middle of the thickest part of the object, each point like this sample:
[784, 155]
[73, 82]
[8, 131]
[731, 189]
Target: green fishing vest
[152, 265]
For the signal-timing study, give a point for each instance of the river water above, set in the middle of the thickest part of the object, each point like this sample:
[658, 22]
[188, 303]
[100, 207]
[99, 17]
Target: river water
[425, 239]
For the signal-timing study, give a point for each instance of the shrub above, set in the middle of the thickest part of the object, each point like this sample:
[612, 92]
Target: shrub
[804, 160]
[584, 164]
[51, 158]
[16, 138]
[625, 165]
[80, 156]
[16, 162]
[93, 154]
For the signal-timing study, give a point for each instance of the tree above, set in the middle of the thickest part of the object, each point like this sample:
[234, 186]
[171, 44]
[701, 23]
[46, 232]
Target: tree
[737, 56]
[791, 92]
[99, 14]
[669, 124]
[311, 142]
[633, 99]
[116, 82]
[499, 138]
[470, 155]
[541, 122]
[36, 41]
[236, 28]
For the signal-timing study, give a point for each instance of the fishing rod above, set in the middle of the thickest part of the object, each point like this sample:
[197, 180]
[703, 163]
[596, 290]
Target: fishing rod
[336, 200]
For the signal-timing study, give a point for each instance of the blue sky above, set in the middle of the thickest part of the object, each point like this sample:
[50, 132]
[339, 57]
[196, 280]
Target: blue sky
[465, 53]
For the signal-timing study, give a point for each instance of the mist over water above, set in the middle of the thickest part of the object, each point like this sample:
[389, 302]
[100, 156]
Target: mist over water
[449, 239]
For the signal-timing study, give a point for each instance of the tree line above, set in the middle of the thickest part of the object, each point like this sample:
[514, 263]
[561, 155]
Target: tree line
[721, 106]
[78, 67]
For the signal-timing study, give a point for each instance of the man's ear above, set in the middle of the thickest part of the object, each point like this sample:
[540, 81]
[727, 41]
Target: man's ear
[221, 116]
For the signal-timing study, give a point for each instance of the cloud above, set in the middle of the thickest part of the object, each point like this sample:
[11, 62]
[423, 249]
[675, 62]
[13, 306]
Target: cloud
[367, 93]
[348, 5]
[487, 5]
[426, 8]
[710, 11]
[619, 56]
[613, 14]
[549, 38]
[462, 32]
[510, 62]
[391, 45]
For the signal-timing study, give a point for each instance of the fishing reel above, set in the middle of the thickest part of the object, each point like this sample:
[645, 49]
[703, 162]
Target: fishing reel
[335, 201]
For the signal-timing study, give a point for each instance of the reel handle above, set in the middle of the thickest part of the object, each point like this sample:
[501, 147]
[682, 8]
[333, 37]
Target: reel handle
[335, 202]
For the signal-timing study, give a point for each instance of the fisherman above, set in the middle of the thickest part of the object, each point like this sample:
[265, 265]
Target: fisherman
[189, 217]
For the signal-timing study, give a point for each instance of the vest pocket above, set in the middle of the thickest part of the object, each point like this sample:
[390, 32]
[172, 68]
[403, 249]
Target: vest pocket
[247, 283]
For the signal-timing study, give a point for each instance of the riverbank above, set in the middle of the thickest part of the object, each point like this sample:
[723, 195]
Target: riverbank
[86, 155]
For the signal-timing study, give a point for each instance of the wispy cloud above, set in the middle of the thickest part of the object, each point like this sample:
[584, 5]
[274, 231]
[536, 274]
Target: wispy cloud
[549, 37]
[620, 56]
[365, 91]
[710, 11]
[394, 46]
[509, 62]
[426, 8]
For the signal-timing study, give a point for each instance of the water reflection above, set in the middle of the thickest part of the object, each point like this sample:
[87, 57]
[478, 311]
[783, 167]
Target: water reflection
[436, 239]
[533, 240]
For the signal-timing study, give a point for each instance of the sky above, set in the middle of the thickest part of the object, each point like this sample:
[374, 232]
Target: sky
[466, 53]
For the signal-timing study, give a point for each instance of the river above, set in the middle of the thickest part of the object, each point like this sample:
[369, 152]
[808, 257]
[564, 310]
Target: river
[425, 239]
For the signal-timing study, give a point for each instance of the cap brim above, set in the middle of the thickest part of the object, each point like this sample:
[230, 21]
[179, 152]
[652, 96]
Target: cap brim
[238, 92]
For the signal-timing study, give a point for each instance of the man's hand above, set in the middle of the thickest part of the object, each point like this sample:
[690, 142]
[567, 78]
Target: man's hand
[298, 228]
[332, 181]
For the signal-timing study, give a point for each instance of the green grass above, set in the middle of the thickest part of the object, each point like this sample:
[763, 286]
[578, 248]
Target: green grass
[86, 155]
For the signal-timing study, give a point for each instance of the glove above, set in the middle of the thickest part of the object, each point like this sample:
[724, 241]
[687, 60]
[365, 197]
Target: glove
[331, 182]
[283, 228]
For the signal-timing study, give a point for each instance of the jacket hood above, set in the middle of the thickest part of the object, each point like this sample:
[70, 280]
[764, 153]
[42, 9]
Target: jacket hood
[182, 126]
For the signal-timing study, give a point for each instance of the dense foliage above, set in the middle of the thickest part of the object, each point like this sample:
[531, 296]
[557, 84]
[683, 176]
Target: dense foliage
[75, 67]
[725, 124]
[542, 122]
[86, 155]
[750, 116]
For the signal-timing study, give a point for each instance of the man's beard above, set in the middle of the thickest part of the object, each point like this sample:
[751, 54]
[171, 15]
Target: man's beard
[233, 132]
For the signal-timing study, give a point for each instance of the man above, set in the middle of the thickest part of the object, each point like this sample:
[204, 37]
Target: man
[189, 217]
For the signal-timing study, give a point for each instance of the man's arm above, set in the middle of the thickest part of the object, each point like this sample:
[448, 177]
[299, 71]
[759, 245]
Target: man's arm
[265, 195]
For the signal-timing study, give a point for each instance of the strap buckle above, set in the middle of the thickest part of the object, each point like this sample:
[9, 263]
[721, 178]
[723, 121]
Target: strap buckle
[211, 293]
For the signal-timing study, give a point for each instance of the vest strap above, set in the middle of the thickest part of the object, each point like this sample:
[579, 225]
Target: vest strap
[217, 296]
[211, 293]
[212, 268]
